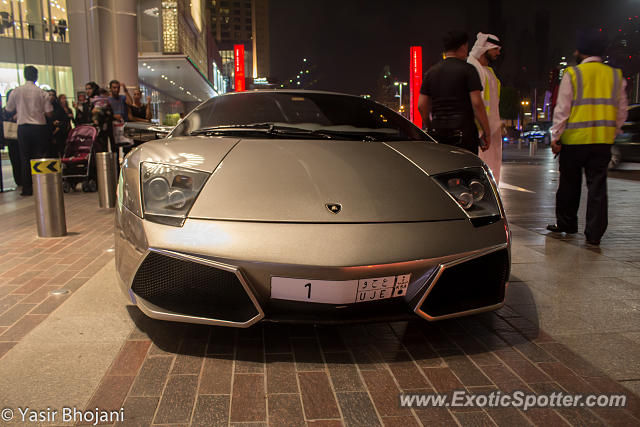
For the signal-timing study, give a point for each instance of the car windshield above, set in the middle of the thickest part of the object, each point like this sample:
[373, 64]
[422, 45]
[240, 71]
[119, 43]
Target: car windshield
[298, 115]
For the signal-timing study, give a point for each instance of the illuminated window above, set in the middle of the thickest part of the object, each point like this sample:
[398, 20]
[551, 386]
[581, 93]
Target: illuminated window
[170, 26]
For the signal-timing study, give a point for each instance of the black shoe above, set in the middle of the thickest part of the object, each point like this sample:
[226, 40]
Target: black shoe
[26, 193]
[557, 229]
[593, 242]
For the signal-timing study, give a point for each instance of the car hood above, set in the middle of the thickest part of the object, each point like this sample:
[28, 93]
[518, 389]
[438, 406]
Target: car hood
[285, 180]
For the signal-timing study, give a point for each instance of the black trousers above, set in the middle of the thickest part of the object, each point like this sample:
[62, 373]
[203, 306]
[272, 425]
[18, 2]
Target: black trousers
[14, 156]
[594, 159]
[34, 141]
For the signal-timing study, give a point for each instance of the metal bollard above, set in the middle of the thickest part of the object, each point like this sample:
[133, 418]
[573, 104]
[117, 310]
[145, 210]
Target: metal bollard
[106, 167]
[533, 145]
[47, 189]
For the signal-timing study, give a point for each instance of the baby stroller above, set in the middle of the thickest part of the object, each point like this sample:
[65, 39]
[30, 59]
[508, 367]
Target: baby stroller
[77, 163]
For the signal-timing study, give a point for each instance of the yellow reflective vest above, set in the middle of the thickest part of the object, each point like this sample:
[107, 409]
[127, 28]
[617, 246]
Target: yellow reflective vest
[594, 108]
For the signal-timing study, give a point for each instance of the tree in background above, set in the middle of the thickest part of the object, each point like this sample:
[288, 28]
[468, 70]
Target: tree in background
[509, 104]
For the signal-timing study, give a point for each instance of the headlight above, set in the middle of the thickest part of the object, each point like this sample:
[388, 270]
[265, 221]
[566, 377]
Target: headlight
[168, 192]
[472, 190]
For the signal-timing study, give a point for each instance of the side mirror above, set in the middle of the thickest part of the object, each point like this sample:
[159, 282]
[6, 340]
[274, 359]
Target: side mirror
[142, 132]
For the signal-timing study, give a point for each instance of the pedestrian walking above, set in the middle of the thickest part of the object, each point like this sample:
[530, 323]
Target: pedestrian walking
[31, 105]
[485, 51]
[450, 98]
[590, 110]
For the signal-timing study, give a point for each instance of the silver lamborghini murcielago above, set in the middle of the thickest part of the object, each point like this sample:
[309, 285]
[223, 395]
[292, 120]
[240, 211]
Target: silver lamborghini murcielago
[304, 206]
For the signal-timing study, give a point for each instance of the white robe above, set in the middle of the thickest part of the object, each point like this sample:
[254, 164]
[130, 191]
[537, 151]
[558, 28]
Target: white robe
[493, 156]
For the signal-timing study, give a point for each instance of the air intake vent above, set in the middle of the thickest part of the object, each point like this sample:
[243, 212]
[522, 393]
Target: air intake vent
[474, 284]
[193, 289]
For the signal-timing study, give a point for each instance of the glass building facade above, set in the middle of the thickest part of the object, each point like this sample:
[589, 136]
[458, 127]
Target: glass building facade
[35, 32]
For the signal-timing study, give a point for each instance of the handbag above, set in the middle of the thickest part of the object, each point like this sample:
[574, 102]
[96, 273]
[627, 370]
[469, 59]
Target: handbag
[118, 134]
[10, 130]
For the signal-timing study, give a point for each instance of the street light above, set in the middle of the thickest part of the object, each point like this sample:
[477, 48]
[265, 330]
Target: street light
[400, 84]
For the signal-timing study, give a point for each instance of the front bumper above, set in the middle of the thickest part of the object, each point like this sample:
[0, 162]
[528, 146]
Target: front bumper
[463, 266]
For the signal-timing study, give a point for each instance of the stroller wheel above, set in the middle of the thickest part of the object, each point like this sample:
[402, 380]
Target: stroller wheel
[66, 187]
[85, 187]
[92, 185]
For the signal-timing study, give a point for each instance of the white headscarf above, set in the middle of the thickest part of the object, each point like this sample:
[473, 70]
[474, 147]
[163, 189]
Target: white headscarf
[483, 43]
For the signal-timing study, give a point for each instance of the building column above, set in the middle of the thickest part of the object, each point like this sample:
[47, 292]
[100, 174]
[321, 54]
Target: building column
[103, 36]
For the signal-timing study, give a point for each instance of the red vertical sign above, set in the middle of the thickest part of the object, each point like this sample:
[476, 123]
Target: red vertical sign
[415, 81]
[238, 55]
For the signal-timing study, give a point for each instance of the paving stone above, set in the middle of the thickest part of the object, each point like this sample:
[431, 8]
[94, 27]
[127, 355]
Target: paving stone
[307, 354]
[22, 327]
[384, 392]
[152, 376]
[405, 371]
[357, 409]
[285, 410]
[211, 411]
[177, 400]
[325, 423]
[248, 402]
[330, 340]
[475, 418]
[50, 304]
[15, 313]
[443, 380]
[111, 392]
[249, 357]
[189, 358]
[566, 356]
[139, 411]
[317, 396]
[464, 368]
[9, 301]
[221, 340]
[5, 347]
[344, 375]
[367, 357]
[521, 366]
[130, 358]
[406, 421]
[277, 339]
[216, 375]
[281, 374]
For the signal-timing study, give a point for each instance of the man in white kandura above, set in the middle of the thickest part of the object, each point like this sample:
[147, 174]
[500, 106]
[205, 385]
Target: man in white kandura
[485, 50]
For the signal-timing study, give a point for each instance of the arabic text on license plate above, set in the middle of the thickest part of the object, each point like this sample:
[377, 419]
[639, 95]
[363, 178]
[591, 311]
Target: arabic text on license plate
[339, 291]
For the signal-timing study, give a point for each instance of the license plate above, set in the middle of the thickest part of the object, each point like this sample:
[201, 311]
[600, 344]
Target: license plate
[339, 291]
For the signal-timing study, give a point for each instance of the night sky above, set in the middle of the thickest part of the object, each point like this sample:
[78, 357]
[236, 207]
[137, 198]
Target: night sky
[350, 41]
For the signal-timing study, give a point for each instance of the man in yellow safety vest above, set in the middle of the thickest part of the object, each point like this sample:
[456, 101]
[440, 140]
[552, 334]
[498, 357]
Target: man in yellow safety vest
[590, 110]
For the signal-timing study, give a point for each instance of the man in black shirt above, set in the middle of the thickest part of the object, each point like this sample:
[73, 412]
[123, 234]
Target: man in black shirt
[451, 93]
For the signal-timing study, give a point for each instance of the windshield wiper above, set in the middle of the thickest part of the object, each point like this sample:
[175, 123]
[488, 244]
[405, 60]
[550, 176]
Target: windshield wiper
[268, 128]
[355, 135]
[229, 128]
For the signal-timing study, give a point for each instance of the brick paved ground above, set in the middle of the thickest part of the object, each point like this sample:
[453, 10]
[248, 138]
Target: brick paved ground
[178, 374]
[31, 267]
[350, 375]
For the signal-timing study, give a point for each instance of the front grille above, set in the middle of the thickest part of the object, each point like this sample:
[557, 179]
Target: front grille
[193, 289]
[470, 285]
